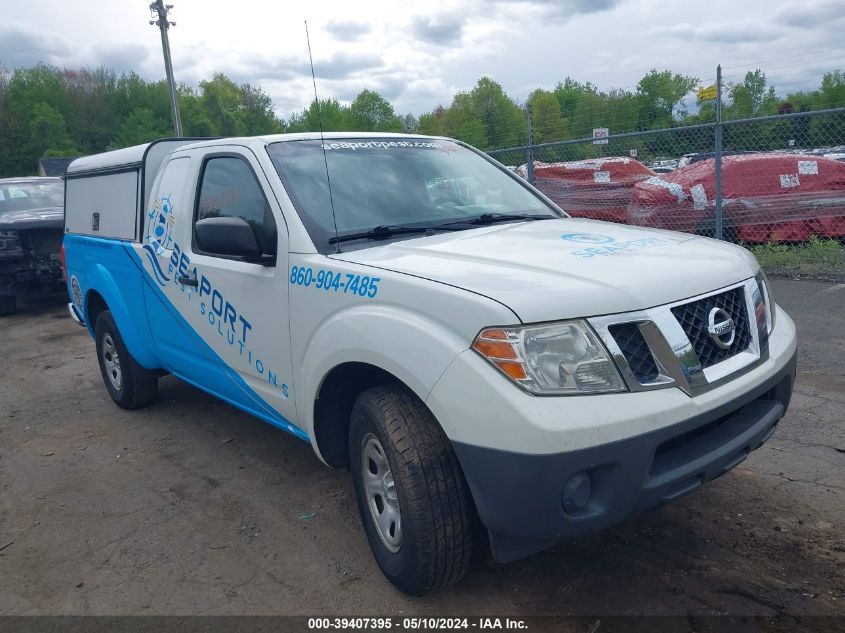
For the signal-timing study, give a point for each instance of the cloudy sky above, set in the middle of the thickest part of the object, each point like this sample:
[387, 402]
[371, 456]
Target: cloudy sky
[418, 53]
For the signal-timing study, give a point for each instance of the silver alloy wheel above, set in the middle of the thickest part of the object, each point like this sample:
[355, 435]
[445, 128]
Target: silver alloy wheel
[112, 362]
[380, 489]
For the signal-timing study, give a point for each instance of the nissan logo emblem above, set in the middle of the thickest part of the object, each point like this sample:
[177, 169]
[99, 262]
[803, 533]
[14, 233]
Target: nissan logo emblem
[721, 328]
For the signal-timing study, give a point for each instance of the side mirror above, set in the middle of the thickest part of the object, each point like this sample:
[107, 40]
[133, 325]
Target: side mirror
[228, 236]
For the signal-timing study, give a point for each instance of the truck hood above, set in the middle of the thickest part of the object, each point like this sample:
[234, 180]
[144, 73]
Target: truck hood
[47, 218]
[567, 268]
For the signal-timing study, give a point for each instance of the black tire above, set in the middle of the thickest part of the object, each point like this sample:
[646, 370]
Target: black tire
[132, 386]
[8, 305]
[434, 503]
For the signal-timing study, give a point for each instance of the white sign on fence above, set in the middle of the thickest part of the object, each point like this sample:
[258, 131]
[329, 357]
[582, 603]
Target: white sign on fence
[600, 134]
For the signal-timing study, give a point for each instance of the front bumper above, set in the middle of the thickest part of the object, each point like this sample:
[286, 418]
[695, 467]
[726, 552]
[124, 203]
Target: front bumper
[637, 450]
[521, 498]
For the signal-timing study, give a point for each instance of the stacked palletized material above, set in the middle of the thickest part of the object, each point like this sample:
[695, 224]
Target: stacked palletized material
[598, 188]
[765, 197]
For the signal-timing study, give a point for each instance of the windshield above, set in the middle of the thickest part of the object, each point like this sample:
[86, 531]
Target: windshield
[23, 196]
[392, 183]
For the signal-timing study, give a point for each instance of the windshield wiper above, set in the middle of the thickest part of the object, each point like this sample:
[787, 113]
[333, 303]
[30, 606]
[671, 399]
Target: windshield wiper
[389, 230]
[492, 218]
[384, 230]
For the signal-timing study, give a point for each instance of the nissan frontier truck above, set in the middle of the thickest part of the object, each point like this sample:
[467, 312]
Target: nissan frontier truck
[492, 372]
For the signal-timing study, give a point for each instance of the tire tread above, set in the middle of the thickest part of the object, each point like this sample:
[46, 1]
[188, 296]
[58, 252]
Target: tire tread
[436, 492]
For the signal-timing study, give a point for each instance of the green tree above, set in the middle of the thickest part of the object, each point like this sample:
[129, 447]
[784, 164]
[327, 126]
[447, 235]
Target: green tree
[49, 133]
[660, 92]
[195, 120]
[503, 120]
[832, 92]
[462, 122]
[49, 110]
[752, 97]
[139, 127]
[370, 112]
[332, 114]
[432, 122]
[257, 110]
[222, 100]
[133, 92]
[569, 92]
[546, 122]
[90, 109]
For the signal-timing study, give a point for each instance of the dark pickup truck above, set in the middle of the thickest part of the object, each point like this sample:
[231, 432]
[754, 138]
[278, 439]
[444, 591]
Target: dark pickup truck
[31, 225]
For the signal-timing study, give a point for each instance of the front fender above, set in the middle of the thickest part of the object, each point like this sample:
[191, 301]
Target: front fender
[409, 345]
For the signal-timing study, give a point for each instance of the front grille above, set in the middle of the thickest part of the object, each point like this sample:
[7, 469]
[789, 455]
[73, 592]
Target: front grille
[693, 319]
[636, 351]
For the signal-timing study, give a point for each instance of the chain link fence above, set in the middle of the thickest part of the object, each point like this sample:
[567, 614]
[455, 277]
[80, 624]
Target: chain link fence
[774, 184]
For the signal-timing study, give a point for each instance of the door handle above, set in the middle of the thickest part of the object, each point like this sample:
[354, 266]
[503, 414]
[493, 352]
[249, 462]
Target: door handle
[188, 281]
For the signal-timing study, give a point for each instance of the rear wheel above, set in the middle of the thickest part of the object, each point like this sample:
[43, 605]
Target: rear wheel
[411, 493]
[8, 305]
[129, 385]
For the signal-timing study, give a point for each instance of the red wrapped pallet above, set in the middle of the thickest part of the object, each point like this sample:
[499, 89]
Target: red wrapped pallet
[598, 188]
[765, 197]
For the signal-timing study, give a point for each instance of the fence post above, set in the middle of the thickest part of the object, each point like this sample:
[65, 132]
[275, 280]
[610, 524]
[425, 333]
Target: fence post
[718, 148]
[529, 149]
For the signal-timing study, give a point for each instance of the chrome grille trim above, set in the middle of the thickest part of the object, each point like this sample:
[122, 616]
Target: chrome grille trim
[676, 359]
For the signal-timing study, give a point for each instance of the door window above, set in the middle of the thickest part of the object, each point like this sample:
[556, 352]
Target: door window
[229, 189]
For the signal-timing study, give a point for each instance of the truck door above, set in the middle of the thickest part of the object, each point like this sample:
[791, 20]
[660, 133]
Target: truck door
[238, 309]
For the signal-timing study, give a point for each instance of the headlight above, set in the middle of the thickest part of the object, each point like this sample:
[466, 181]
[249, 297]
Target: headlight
[555, 359]
[766, 303]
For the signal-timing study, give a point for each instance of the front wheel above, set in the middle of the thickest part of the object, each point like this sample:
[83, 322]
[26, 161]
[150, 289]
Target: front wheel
[129, 385]
[411, 493]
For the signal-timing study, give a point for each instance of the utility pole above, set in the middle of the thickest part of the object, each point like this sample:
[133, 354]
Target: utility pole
[159, 8]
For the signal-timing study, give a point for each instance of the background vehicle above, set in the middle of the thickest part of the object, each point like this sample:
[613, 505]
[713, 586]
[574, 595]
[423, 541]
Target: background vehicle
[787, 197]
[663, 165]
[435, 325]
[596, 188]
[31, 224]
[696, 157]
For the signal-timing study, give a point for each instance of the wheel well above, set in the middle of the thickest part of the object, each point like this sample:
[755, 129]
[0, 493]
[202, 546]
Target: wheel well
[96, 306]
[333, 407]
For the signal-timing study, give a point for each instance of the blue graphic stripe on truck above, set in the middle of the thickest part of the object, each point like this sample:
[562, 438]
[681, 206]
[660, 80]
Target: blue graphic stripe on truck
[160, 276]
[122, 290]
[253, 403]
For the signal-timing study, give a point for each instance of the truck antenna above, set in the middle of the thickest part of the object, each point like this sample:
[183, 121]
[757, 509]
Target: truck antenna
[322, 140]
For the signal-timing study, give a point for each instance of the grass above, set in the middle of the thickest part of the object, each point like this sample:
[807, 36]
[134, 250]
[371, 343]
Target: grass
[819, 258]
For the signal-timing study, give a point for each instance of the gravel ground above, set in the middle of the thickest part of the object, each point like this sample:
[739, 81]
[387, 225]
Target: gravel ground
[191, 507]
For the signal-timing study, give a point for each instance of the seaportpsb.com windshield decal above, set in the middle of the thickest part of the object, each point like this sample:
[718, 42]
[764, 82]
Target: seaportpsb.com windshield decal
[354, 146]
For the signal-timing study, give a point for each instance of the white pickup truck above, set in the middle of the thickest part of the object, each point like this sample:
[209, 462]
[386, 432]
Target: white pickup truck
[431, 322]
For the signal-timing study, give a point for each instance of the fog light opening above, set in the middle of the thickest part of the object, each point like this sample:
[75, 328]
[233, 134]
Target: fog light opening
[576, 493]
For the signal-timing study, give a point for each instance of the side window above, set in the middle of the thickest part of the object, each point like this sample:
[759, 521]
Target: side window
[229, 189]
